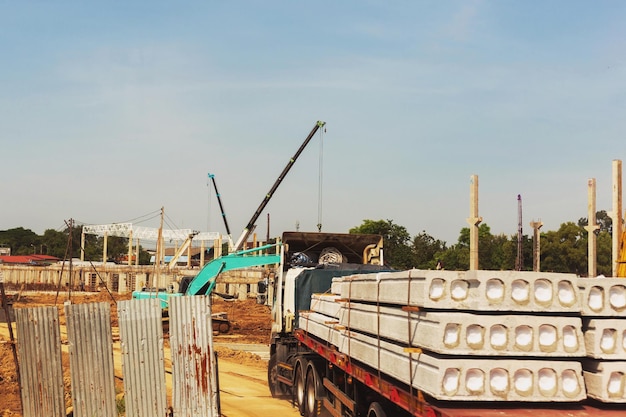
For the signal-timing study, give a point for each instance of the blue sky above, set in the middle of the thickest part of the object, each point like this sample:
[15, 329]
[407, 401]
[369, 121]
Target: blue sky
[111, 110]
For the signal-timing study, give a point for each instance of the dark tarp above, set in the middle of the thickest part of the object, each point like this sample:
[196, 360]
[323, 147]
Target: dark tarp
[315, 281]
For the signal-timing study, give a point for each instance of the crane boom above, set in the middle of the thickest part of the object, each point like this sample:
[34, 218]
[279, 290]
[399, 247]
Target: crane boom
[250, 226]
[219, 201]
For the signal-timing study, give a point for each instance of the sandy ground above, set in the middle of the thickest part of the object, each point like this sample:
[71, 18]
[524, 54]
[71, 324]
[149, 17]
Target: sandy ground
[242, 374]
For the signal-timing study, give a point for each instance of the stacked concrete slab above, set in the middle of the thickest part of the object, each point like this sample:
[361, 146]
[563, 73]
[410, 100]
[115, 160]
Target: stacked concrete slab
[603, 305]
[476, 335]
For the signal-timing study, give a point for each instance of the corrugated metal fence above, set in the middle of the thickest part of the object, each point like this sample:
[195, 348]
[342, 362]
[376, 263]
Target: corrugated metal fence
[91, 347]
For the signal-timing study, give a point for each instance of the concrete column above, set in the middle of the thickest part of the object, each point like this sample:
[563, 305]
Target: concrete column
[536, 245]
[130, 249]
[616, 214]
[592, 226]
[104, 248]
[474, 221]
[82, 246]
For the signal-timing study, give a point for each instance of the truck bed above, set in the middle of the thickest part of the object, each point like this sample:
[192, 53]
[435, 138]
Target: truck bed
[420, 405]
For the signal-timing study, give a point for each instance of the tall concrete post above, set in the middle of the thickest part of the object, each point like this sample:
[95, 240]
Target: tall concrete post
[82, 246]
[616, 214]
[104, 248]
[130, 249]
[592, 226]
[474, 221]
[536, 245]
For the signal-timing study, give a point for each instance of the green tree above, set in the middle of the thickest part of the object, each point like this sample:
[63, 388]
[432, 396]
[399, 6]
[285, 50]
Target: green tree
[426, 251]
[397, 252]
[21, 241]
[565, 250]
[55, 243]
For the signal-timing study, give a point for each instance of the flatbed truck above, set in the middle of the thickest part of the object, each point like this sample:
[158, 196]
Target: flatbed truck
[322, 381]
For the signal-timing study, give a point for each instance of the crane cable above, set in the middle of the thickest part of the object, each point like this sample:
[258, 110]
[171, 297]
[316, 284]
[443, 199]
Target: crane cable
[320, 180]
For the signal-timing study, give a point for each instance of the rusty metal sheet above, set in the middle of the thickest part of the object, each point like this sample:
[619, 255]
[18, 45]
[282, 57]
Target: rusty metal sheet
[91, 359]
[141, 337]
[194, 370]
[39, 352]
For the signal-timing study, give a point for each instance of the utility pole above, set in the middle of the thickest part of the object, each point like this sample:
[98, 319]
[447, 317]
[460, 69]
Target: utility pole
[159, 252]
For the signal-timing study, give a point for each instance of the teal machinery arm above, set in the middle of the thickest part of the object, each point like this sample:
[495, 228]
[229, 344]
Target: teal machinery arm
[204, 282]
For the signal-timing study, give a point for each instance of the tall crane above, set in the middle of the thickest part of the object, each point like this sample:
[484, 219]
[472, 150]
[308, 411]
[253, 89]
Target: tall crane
[251, 224]
[219, 201]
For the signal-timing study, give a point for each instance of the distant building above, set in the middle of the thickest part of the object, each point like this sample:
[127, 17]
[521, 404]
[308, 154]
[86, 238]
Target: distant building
[36, 260]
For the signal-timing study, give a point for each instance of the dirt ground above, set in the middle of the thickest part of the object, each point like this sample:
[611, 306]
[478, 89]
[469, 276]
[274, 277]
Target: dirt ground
[250, 323]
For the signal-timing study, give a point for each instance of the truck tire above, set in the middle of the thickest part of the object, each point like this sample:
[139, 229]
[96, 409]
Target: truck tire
[310, 397]
[314, 393]
[299, 384]
[376, 410]
[276, 387]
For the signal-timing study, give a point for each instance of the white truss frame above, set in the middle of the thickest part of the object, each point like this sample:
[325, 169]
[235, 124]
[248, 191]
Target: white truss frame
[146, 233]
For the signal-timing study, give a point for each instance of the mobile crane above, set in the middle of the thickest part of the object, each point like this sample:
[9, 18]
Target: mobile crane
[204, 282]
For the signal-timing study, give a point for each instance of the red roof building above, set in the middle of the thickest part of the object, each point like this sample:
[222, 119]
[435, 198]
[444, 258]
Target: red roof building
[28, 260]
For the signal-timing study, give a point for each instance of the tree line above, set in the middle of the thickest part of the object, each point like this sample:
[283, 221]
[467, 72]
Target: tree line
[563, 250]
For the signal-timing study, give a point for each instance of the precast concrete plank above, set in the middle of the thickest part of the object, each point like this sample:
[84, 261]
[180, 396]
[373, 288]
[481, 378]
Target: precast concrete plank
[605, 338]
[603, 296]
[605, 380]
[457, 333]
[466, 379]
[324, 327]
[327, 304]
[516, 291]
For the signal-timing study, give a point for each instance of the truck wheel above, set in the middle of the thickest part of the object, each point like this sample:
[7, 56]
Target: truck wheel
[276, 387]
[310, 402]
[376, 410]
[313, 394]
[300, 388]
[224, 327]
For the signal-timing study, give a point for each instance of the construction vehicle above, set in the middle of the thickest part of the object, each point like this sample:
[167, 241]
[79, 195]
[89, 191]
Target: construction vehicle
[317, 361]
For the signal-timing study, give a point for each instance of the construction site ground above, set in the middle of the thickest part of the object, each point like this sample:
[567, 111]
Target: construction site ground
[243, 385]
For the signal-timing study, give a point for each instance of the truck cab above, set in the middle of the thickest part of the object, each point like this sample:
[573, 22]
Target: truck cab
[310, 261]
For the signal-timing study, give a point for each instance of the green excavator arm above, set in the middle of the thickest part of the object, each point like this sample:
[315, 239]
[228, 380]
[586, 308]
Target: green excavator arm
[204, 282]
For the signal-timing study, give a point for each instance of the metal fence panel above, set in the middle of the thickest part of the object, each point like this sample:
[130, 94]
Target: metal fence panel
[91, 359]
[141, 336]
[40, 361]
[194, 371]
